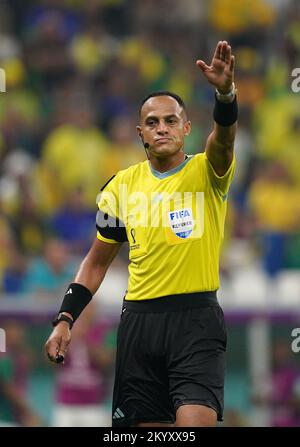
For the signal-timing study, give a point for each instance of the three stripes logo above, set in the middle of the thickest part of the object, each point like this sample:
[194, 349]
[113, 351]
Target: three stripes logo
[118, 414]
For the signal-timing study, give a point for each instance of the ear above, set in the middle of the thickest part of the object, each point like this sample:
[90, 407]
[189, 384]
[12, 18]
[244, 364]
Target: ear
[187, 127]
[139, 131]
[140, 134]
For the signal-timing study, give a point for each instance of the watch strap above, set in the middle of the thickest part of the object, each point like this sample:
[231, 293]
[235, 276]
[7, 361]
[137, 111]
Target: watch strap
[62, 317]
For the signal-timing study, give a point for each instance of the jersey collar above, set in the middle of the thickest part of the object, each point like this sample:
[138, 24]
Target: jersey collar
[162, 175]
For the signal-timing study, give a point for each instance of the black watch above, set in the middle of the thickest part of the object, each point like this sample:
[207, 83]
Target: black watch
[62, 317]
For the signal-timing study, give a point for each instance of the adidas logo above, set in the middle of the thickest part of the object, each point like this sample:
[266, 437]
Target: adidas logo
[69, 291]
[118, 414]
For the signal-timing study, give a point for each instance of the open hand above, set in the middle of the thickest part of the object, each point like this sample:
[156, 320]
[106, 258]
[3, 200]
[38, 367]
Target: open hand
[220, 72]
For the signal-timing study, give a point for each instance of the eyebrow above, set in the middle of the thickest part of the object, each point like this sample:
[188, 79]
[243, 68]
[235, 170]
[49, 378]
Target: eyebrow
[153, 117]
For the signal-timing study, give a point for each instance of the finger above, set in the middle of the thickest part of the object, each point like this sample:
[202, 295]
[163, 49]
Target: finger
[223, 50]
[228, 55]
[232, 63]
[52, 348]
[217, 54]
[202, 65]
[51, 358]
[62, 348]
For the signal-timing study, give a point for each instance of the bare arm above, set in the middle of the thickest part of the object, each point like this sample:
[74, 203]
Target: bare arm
[94, 266]
[90, 274]
[219, 145]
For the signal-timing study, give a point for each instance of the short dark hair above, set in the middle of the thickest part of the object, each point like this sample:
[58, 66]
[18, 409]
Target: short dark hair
[164, 93]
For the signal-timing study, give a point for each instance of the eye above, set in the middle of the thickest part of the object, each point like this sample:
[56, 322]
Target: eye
[151, 123]
[171, 120]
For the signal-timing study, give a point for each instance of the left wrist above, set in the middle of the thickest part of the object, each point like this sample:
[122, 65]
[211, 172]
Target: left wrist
[62, 317]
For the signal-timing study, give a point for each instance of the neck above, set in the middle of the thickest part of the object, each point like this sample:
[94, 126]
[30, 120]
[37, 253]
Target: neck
[167, 163]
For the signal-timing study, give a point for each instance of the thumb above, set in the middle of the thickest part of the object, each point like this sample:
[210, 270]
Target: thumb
[52, 347]
[201, 64]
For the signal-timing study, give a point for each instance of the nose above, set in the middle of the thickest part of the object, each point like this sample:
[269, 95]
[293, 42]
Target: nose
[162, 129]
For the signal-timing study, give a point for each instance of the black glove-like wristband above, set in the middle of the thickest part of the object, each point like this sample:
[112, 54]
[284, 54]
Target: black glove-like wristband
[225, 113]
[75, 300]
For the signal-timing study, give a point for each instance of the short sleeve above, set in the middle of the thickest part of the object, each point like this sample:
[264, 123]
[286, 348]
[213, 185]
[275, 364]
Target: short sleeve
[110, 227]
[100, 237]
[221, 183]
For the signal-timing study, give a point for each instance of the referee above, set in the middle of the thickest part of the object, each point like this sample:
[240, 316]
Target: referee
[171, 209]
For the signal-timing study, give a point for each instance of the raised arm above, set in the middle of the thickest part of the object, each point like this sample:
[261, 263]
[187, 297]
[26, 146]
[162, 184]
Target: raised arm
[87, 281]
[220, 73]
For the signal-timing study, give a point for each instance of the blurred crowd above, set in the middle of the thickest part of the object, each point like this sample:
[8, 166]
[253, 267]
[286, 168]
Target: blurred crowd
[76, 72]
[75, 75]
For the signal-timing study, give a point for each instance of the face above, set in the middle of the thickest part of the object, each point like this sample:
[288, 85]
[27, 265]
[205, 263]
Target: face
[164, 126]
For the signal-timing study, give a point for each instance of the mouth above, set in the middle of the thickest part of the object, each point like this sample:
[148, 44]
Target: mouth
[162, 140]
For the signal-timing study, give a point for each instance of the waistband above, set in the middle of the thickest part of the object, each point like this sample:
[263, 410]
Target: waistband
[173, 303]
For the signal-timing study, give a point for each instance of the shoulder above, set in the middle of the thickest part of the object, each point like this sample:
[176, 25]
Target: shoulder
[199, 158]
[197, 161]
[133, 170]
[126, 175]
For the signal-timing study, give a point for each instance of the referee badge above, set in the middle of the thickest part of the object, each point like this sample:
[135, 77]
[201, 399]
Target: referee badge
[181, 222]
[185, 222]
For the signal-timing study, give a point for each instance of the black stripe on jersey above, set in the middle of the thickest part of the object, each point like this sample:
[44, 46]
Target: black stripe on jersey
[111, 227]
[108, 181]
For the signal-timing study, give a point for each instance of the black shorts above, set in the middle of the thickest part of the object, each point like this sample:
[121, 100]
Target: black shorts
[170, 352]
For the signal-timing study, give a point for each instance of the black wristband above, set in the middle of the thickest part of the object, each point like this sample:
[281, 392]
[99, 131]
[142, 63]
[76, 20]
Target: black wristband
[225, 113]
[75, 300]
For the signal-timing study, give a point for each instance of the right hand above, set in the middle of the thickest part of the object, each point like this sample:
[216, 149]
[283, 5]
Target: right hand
[220, 72]
[58, 341]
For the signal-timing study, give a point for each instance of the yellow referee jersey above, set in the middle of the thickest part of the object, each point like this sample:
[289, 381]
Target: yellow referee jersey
[174, 223]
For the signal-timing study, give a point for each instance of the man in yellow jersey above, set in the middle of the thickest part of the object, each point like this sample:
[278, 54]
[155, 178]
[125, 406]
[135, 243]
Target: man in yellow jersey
[171, 209]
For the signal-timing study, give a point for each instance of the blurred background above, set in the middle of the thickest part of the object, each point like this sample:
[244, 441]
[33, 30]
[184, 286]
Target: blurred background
[76, 72]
